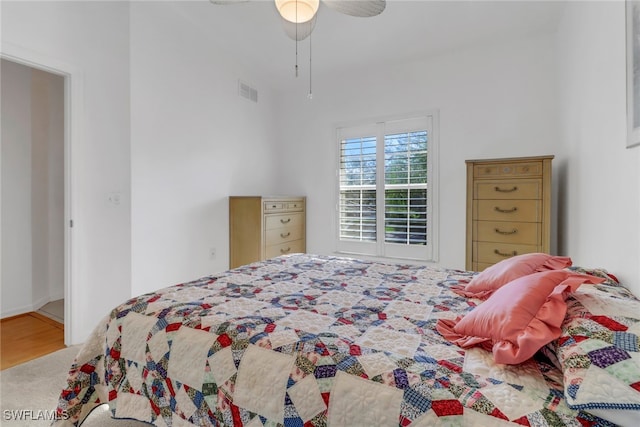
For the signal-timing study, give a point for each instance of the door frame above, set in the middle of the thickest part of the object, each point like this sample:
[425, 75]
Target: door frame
[73, 109]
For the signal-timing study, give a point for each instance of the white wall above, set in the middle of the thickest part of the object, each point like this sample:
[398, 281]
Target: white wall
[17, 292]
[47, 189]
[494, 101]
[39, 189]
[92, 38]
[601, 185]
[55, 185]
[33, 194]
[194, 142]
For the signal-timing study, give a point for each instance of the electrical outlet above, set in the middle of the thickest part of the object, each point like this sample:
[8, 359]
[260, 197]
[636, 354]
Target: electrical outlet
[212, 253]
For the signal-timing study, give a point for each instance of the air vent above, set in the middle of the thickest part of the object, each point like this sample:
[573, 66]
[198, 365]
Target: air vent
[246, 91]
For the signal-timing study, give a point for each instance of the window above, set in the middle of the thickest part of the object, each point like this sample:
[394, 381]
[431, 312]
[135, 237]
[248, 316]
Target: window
[386, 189]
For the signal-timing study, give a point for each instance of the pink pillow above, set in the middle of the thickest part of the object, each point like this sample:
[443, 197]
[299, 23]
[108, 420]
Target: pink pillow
[498, 275]
[519, 318]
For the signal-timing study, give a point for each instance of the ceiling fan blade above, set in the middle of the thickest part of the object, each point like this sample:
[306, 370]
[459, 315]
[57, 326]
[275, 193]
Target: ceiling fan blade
[303, 28]
[362, 8]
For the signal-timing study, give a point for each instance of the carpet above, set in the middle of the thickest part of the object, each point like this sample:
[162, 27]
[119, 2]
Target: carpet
[29, 393]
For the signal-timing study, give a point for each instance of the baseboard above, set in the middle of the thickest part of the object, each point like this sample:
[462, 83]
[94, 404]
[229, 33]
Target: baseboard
[25, 308]
[16, 312]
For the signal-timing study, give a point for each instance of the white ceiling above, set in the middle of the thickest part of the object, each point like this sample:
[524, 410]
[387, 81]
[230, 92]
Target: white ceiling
[407, 30]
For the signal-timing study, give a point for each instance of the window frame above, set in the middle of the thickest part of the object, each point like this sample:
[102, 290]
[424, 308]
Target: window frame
[380, 128]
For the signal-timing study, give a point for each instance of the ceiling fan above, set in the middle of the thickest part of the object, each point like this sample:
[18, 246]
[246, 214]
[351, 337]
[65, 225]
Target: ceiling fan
[299, 16]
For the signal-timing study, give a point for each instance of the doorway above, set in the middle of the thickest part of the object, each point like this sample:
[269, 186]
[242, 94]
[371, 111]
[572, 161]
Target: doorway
[34, 191]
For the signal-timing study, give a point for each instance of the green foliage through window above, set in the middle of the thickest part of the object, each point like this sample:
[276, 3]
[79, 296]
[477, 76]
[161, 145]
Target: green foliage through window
[405, 188]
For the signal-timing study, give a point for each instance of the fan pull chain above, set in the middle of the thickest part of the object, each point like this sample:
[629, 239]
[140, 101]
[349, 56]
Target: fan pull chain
[296, 38]
[310, 95]
[296, 57]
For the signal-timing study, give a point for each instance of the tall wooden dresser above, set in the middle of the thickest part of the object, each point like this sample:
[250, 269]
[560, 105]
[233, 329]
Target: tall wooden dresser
[508, 209]
[265, 227]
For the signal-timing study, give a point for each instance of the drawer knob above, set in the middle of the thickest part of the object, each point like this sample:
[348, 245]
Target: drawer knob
[505, 190]
[506, 255]
[506, 233]
[497, 209]
[283, 235]
[285, 221]
[284, 251]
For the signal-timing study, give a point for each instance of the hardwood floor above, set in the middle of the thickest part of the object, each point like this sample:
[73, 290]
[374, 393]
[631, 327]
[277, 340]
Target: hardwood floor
[28, 336]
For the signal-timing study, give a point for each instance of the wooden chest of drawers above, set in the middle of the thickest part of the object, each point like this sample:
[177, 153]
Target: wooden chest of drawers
[265, 227]
[508, 209]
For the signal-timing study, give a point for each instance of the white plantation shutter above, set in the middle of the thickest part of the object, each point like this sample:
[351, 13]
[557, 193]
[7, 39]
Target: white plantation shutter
[358, 189]
[405, 184]
[385, 186]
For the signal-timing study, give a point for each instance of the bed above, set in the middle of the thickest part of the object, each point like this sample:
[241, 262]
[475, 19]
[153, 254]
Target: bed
[306, 340]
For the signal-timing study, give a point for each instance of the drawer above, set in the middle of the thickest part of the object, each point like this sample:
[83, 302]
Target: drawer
[273, 206]
[293, 220]
[508, 210]
[514, 189]
[508, 170]
[527, 233]
[285, 248]
[295, 206]
[275, 236]
[292, 205]
[491, 253]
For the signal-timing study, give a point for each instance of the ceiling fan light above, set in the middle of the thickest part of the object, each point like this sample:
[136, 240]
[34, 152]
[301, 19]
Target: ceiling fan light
[297, 11]
[299, 31]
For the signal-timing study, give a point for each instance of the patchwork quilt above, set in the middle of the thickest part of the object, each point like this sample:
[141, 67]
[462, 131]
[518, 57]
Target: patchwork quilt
[307, 341]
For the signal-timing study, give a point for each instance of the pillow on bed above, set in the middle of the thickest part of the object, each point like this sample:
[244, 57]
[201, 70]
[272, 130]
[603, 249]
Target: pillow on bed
[599, 352]
[519, 318]
[498, 275]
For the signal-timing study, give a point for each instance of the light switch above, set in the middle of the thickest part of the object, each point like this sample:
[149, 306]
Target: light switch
[114, 198]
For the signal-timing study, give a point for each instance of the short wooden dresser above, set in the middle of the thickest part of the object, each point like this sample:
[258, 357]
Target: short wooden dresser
[265, 227]
[508, 209]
